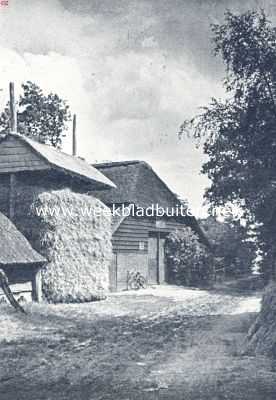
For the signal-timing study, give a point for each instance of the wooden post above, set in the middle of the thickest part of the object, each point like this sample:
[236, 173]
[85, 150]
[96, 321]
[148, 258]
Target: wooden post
[13, 129]
[74, 144]
[12, 196]
[158, 258]
[37, 290]
[13, 114]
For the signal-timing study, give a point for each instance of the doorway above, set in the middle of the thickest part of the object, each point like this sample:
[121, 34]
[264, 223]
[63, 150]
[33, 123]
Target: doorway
[156, 258]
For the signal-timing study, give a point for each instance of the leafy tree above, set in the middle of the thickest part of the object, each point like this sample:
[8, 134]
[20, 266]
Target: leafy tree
[42, 117]
[189, 262]
[231, 243]
[239, 133]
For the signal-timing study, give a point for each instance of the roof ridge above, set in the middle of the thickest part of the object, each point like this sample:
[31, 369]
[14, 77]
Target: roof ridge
[111, 164]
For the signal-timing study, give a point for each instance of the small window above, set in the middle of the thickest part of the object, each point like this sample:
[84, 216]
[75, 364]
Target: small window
[141, 245]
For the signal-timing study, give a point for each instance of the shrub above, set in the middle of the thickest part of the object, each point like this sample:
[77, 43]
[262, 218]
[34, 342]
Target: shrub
[189, 262]
[262, 334]
[233, 244]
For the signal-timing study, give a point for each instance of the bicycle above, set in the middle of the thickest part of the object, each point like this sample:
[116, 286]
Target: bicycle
[135, 280]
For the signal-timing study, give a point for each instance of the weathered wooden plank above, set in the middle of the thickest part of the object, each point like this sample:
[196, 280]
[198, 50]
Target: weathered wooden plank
[129, 249]
[37, 286]
[127, 228]
[132, 236]
[12, 194]
[23, 168]
[131, 223]
[134, 246]
[126, 244]
[133, 251]
[5, 151]
[13, 112]
[12, 142]
[20, 287]
[138, 226]
[19, 158]
[20, 163]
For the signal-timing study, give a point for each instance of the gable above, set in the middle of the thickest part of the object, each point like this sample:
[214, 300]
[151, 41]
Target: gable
[20, 153]
[17, 156]
[152, 190]
[137, 184]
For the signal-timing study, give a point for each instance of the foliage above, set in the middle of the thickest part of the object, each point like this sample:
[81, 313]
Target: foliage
[42, 117]
[231, 242]
[239, 133]
[189, 262]
[261, 338]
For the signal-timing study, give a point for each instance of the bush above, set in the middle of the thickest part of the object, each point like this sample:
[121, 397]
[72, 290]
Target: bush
[262, 335]
[189, 262]
[232, 244]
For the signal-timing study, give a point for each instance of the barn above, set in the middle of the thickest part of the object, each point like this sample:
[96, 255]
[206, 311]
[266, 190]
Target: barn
[138, 239]
[77, 248]
[24, 161]
[20, 262]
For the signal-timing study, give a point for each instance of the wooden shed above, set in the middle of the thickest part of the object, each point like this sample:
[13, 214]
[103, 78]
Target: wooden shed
[32, 173]
[20, 262]
[25, 163]
[138, 241]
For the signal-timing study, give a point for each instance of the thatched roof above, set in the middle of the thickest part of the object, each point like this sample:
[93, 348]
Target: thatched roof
[14, 247]
[66, 163]
[137, 183]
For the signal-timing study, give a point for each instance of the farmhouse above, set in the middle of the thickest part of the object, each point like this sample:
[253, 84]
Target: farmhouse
[77, 248]
[20, 261]
[138, 241]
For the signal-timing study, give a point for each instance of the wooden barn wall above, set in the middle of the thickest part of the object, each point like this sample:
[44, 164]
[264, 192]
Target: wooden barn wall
[4, 194]
[21, 281]
[130, 262]
[135, 230]
[29, 182]
[130, 233]
[16, 156]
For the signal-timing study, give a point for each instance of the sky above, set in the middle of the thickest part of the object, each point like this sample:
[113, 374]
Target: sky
[132, 71]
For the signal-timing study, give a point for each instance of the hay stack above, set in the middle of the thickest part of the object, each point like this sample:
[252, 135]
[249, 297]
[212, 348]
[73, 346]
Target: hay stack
[262, 335]
[78, 247]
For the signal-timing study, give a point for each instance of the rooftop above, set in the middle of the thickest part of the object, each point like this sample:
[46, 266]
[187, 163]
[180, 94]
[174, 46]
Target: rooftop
[61, 161]
[14, 247]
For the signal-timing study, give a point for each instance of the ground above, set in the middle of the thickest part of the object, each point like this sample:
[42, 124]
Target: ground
[164, 343]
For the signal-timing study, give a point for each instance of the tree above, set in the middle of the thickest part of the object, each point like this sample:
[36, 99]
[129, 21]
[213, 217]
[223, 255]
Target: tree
[42, 117]
[189, 262]
[239, 133]
[231, 243]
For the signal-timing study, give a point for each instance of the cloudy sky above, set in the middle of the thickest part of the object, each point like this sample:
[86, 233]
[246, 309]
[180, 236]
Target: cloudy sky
[132, 71]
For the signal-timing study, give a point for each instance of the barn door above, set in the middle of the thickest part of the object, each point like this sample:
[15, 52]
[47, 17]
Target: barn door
[156, 254]
[153, 260]
[161, 259]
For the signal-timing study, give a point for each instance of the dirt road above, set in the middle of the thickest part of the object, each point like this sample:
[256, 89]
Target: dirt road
[165, 343]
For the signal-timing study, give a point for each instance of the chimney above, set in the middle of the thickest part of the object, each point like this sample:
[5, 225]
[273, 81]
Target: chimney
[13, 114]
[74, 142]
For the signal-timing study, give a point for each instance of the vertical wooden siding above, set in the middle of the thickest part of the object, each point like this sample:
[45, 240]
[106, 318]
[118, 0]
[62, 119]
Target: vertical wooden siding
[130, 262]
[134, 230]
